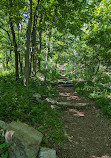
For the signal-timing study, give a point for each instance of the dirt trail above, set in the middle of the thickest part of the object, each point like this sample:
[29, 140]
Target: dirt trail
[88, 131]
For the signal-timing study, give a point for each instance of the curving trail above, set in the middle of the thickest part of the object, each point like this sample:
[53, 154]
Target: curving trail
[88, 132]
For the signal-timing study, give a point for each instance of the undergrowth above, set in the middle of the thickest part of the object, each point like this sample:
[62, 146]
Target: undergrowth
[98, 90]
[18, 104]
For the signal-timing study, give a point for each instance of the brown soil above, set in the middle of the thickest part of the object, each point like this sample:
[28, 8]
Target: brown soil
[88, 132]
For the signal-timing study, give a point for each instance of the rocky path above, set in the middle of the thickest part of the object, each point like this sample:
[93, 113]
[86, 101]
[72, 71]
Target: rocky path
[88, 132]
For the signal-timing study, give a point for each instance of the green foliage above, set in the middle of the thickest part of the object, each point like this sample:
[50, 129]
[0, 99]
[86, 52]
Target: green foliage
[97, 91]
[103, 78]
[107, 110]
[52, 75]
[18, 104]
[3, 148]
[76, 33]
[94, 86]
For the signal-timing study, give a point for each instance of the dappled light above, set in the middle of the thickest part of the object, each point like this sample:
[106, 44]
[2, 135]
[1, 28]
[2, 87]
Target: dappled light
[76, 112]
[69, 97]
[84, 128]
[55, 73]
[64, 94]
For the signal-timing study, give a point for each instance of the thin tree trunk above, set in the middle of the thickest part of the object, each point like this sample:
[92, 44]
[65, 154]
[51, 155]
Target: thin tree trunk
[9, 41]
[47, 46]
[56, 63]
[21, 58]
[15, 45]
[48, 38]
[27, 46]
[98, 66]
[6, 61]
[16, 52]
[21, 68]
[39, 42]
[33, 55]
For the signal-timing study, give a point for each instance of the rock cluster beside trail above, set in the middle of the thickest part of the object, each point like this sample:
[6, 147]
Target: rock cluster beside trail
[24, 141]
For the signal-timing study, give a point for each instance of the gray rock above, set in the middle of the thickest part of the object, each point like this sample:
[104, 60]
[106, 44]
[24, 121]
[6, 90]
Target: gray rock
[47, 153]
[49, 100]
[25, 141]
[8, 135]
[53, 107]
[37, 95]
[3, 125]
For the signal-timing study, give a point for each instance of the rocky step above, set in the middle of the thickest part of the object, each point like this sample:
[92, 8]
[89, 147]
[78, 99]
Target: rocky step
[63, 77]
[64, 105]
[64, 82]
[65, 85]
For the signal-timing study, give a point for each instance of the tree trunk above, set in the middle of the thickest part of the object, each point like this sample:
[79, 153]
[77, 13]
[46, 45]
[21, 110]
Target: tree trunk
[47, 46]
[98, 66]
[15, 44]
[33, 55]
[27, 45]
[48, 38]
[15, 50]
[9, 42]
[39, 42]
[20, 62]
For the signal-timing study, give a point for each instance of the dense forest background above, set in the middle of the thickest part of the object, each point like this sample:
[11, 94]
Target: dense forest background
[36, 35]
[36, 38]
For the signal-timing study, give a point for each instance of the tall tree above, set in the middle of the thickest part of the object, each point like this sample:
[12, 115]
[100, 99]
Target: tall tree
[27, 45]
[34, 30]
[39, 41]
[14, 41]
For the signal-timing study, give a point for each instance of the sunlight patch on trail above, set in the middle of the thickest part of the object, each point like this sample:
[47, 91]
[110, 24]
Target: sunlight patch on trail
[69, 96]
[77, 113]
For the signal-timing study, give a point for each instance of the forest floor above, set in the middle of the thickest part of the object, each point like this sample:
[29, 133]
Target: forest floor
[88, 132]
